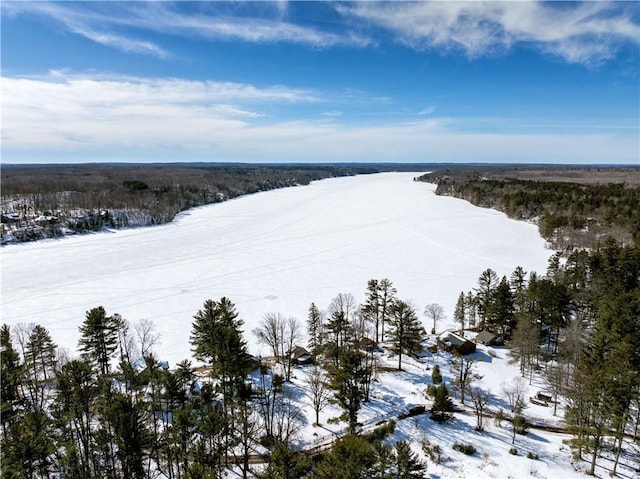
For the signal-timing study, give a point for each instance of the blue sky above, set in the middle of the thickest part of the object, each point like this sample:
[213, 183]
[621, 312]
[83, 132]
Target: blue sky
[552, 82]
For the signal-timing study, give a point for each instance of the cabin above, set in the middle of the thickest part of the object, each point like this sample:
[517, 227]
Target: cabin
[301, 356]
[452, 342]
[368, 344]
[487, 338]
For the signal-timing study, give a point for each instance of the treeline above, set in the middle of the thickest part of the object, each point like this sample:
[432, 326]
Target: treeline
[82, 417]
[580, 326]
[49, 201]
[117, 412]
[569, 215]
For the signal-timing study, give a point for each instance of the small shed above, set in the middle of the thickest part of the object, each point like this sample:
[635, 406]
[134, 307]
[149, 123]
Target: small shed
[487, 338]
[450, 342]
[301, 356]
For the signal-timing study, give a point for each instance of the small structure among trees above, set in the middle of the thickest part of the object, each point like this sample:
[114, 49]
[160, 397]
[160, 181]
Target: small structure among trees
[487, 338]
[452, 342]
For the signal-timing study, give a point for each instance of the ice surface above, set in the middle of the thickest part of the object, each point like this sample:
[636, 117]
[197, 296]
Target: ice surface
[270, 252]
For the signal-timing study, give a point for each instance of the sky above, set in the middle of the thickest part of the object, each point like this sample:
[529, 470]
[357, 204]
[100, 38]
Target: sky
[409, 82]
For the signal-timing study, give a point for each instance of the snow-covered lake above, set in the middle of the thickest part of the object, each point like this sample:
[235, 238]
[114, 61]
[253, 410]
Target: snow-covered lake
[270, 252]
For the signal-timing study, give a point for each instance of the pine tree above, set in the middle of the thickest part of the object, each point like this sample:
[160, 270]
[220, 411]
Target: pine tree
[217, 339]
[347, 381]
[407, 465]
[339, 328]
[458, 312]
[500, 311]
[285, 463]
[39, 364]
[436, 375]
[350, 457]
[442, 406]
[74, 412]
[408, 333]
[371, 309]
[387, 297]
[11, 374]
[98, 339]
[314, 329]
[487, 283]
[470, 303]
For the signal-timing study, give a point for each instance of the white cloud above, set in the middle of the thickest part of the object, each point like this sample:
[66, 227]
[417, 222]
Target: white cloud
[92, 25]
[105, 24]
[587, 33]
[84, 118]
[427, 110]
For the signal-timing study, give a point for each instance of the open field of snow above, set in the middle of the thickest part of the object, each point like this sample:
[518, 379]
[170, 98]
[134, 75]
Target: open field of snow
[270, 252]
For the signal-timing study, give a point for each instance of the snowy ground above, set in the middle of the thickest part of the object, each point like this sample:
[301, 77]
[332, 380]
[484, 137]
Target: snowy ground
[277, 252]
[394, 392]
[270, 252]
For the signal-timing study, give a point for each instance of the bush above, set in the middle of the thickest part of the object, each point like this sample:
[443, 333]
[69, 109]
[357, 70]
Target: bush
[433, 452]
[436, 375]
[467, 449]
[431, 390]
[533, 456]
[513, 451]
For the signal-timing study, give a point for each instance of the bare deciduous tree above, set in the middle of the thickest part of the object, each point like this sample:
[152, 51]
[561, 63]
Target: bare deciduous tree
[319, 391]
[147, 337]
[280, 334]
[480, 399]
[435, 312]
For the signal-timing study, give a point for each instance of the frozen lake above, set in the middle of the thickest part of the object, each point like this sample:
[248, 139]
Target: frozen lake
[270, 252]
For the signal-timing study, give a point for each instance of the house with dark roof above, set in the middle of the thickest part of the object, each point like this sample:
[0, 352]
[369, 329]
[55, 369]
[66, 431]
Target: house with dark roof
[301, 356]
[487, 338]
[452, 342]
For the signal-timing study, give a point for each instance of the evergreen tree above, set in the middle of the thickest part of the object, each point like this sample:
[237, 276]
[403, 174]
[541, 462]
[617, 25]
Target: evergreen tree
[73, 410]
[436, 375]
[347, 380]
[407, 334]
[217, 339]
[500, 311]
[98, 338]
[314, 329]
[339, 328]
[442, 406]
[285, 463]
[28, 448]
[518, 284]
[351, 457]
[406, 464]
[387, 297]
[371, 309]
[487, 283]
[39, 364]
[470, 303]
[459, 311]
[11, 373]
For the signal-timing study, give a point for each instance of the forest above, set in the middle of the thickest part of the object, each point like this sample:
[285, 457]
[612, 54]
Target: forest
[114, 410]
[46, 201]
[573, 207]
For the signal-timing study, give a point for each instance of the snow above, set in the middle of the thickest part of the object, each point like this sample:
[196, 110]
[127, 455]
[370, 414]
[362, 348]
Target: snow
[275, 251]
[280, 250]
